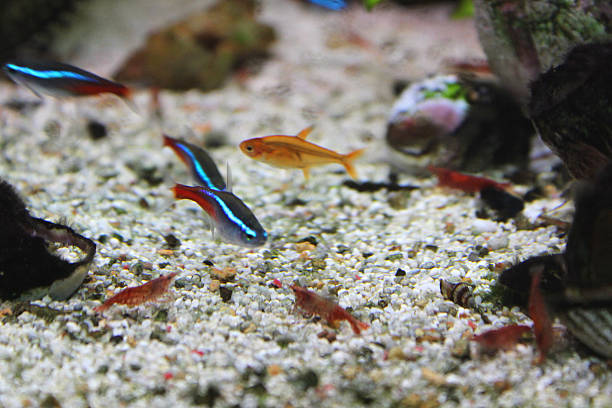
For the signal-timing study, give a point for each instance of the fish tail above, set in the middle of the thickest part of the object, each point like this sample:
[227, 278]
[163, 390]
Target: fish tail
[167, 140]
[348, 159]
[181, 191]
[128, 97]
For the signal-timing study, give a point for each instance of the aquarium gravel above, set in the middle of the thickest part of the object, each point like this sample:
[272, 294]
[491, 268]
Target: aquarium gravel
[226, 334]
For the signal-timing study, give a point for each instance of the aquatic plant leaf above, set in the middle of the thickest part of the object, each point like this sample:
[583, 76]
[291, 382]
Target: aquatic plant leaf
[369, 4]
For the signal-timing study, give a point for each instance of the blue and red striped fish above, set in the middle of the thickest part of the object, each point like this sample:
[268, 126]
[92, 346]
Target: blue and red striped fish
[202, 166]
[334, 5]
[234, 221]
[62, 80]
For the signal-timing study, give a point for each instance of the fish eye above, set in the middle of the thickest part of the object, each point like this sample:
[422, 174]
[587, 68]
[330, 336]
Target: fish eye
[249, 148]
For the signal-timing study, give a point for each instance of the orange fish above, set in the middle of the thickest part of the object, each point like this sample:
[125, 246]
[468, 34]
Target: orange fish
[295, 152]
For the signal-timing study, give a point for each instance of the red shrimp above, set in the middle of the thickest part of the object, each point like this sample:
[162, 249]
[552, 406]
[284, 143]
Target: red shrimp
[542, 325]
[137, 295]
[312, 303]
[503, 338]
[465, 182]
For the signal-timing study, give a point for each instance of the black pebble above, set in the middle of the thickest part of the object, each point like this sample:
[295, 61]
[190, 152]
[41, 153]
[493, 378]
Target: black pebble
[96, 130]
[310, 239]
[506, 205]
[225, 293]
[172, 241]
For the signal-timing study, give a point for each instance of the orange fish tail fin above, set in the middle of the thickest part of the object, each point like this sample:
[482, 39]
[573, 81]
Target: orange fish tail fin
[348, 159]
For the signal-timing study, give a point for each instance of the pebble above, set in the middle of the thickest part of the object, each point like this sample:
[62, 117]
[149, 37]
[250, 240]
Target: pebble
[480, 226]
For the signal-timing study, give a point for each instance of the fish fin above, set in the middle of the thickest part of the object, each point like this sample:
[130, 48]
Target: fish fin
[304, 132]
[347, 162]
[228, 176]
[129, 101]
[306, 172]
[167, 140]
[34, 91]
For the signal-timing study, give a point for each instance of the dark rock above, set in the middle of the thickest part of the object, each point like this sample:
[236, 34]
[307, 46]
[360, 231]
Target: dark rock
[225, 293]
[310, 239]
[172, 241]
[458, 123]
[571, 105]
[96, 129]
[27, 267]
[525, 38]
[505, 204]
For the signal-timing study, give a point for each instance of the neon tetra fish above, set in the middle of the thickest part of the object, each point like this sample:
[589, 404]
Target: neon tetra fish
[62, 80]
[232, 218]
[295, 152]
[202, 166]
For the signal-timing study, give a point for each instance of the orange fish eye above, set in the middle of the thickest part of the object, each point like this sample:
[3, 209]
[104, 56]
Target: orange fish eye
[248, 148]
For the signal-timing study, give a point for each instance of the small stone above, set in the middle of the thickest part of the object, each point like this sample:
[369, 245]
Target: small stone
[396, 353]
[433, 376]
[50, 402]
[480, 226]
[310, 239]
[498, 242]
[225, 293]
[473, 257]
[224, 274]
[274, 369]
[304, 246]
[428, 265]
[394, 257]
[328, 335]
[96, 129]
[172, 241]
[461, 348]
[165, 252]
[341, 249]
[214, 285]
[143, 203]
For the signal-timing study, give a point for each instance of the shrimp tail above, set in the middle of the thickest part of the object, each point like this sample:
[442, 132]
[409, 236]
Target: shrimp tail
[357, 325]
[103, 307]
[348, 159]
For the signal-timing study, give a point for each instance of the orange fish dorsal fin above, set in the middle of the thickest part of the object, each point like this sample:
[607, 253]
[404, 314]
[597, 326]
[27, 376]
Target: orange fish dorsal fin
[304, 133]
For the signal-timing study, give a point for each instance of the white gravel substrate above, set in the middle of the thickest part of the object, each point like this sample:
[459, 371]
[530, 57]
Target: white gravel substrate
[254, 350]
